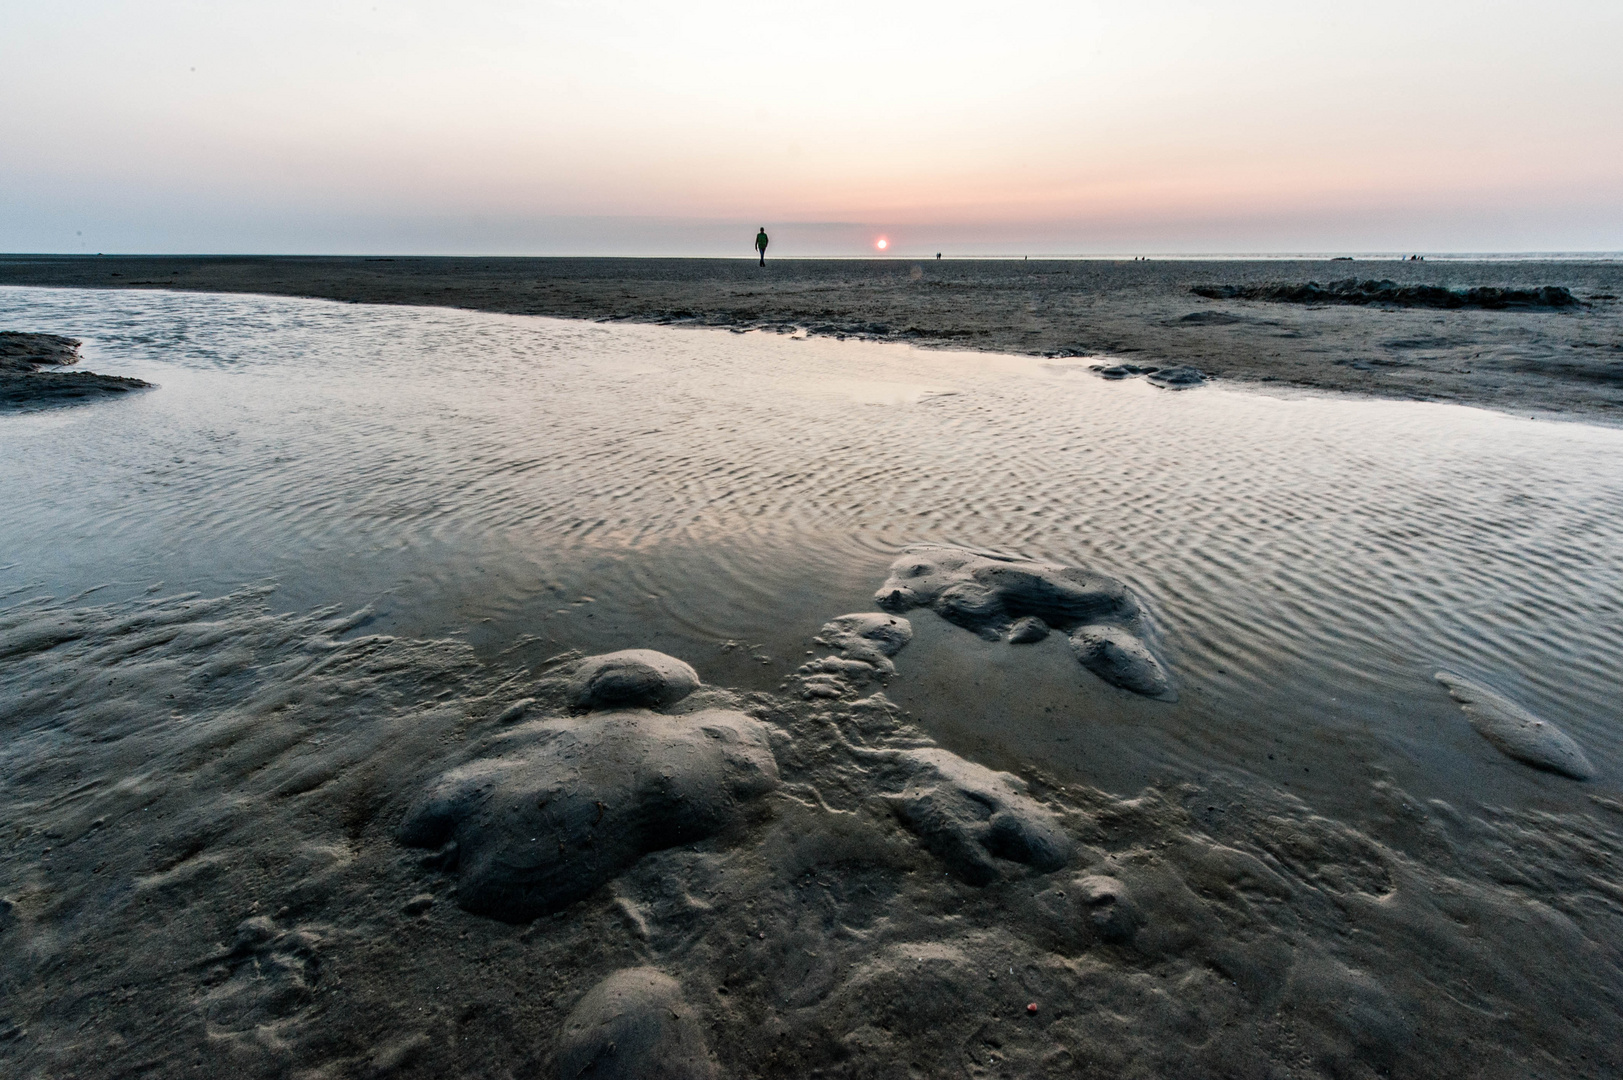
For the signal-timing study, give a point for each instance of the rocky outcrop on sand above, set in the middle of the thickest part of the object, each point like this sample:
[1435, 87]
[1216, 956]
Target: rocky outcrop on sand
[1517, 733]
[28, 376]
[1353, 291]
[998, 597]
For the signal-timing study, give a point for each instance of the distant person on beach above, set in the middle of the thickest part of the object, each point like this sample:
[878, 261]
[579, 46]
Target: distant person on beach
[760, 244]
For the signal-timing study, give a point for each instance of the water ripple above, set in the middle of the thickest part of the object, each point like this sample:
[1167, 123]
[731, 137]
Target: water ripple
[1292, 550]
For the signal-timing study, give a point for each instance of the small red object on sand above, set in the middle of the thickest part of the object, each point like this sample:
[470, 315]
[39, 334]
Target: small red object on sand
[1032, 1007]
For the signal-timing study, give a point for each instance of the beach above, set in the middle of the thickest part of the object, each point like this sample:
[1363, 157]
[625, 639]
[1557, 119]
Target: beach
[1565, 361]
[446, 669]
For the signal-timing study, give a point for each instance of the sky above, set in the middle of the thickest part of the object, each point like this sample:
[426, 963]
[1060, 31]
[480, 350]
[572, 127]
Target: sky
[614, 127]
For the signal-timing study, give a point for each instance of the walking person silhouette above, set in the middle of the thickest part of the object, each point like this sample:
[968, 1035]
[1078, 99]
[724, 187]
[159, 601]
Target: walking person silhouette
[760, 244]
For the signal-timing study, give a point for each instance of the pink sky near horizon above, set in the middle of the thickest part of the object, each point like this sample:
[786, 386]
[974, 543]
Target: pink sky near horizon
[560, 127]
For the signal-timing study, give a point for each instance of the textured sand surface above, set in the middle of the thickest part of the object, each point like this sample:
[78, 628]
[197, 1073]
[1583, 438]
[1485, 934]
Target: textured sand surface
[1567, 360]
[204, 874]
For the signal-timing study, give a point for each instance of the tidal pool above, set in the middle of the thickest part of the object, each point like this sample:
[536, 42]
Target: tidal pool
[1309, 561]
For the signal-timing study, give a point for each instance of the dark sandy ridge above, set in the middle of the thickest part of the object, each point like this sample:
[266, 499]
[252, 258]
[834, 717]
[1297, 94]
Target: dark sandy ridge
[30, 375]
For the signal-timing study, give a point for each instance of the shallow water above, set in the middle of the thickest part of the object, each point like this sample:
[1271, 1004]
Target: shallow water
[537, 485]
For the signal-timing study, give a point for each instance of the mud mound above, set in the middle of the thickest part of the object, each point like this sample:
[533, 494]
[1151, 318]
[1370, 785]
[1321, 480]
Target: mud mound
[634, 1025]
[863, 645]
[974, 819]
[559, 807]
[1516, 732]
[1121, 659]
[996, 597]
[1177, 378]
[1122, 371]
[1353, 291]
[26, 352]
[633, 677]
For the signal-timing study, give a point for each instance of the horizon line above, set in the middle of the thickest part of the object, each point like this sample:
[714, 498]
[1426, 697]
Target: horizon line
[1381, 256]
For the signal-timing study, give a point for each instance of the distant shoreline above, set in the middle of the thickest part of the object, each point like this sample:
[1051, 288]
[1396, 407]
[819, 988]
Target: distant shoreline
[1567, 362]
[1578, 257]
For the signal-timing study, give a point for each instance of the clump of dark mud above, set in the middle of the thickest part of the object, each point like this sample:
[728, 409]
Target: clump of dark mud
[1001, 597]
[23, 383]
[1210, 318]
[203, 874]
[1370, 291]
[1167, 378]
[1176, 378]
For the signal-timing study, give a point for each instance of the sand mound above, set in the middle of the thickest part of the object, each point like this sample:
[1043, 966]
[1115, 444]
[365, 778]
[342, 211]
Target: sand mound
[1027, 630]
[872, 637]
[1353, 291]
[1516, 732]
[1121, 659]
[634, 1025]
[996, 596]
[863, 645]
[562, 806]
[22, 383]
[974, 819]
[632, 677]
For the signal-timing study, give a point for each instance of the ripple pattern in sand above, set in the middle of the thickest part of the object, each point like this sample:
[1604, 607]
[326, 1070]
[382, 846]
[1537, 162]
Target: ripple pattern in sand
[1365, 543]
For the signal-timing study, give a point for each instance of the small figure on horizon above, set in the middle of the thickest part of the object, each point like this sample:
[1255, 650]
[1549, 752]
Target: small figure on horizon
[760, 244]
[938, 256]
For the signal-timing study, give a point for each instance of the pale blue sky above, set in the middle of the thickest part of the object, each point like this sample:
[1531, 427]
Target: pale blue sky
[635, 128]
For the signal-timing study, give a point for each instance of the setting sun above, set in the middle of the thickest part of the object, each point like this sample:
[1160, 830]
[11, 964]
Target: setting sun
[881, 243]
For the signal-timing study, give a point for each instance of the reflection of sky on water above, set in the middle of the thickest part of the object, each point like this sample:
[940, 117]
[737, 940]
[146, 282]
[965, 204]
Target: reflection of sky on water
[1310, 562]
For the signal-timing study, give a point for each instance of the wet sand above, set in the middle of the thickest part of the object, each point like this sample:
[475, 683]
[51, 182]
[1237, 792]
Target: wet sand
[219, 860]
[1568, 361]
[1255, 736]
